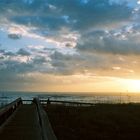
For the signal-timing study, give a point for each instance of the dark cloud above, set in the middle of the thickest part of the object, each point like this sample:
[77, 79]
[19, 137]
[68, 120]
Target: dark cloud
[22, 62]
[68, 64]
[68, 44]
[73, 14]
[23, 52]
[15, 67]
[2, 51]
[59, 56]
[9, 53]
[53, 23]
[12, 64]
[110, 42]
[39, 60]
[99, 12]
[14, 36]
[61, 63]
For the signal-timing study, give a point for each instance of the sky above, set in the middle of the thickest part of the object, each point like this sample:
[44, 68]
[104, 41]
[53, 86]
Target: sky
[70, 45]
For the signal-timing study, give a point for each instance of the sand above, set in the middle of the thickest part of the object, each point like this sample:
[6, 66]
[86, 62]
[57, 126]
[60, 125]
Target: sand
[99, 122]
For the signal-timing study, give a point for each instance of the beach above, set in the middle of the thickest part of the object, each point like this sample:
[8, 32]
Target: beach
[75, 120]
[99, 122]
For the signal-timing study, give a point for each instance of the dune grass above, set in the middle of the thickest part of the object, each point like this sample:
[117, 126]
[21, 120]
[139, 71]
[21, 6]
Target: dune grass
[99, 122]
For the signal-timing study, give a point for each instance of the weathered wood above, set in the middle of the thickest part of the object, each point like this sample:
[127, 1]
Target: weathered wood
[46, 129]
[6, 111]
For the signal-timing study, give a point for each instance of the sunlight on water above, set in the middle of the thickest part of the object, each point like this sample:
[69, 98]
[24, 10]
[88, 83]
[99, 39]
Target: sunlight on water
[131, 85]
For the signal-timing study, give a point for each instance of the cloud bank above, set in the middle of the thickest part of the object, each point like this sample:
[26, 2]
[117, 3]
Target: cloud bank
[52, 37]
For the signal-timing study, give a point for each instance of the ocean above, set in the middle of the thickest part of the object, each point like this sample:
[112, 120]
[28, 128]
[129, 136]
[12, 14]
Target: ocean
[7, 97]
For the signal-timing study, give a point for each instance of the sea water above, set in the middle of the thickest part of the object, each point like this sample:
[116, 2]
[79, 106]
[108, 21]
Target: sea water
[7, 97]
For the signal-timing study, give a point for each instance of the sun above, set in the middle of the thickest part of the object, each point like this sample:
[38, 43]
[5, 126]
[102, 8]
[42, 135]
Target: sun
[132, 85]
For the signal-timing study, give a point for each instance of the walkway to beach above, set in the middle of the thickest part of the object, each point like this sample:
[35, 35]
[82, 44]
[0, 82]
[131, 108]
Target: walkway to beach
[23, 125]
[26, 123]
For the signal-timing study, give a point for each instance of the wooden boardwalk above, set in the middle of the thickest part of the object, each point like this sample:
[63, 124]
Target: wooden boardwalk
[24, 124]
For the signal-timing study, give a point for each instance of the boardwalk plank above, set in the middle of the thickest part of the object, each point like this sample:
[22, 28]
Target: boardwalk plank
[23, 125]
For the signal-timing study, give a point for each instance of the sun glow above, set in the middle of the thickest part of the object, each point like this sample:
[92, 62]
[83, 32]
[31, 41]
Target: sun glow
[132, 85]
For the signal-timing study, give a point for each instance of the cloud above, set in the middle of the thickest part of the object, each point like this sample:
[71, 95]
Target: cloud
[23, 52]
[129, 3]
[66, 21]
[23, 61]
[14, 36]
[53, 15]
[65, 38]
[59, 63]
[119, 41]
[70, 64]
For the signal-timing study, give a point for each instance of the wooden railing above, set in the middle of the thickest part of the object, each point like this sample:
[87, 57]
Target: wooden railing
[6, 111]
[66, 103]
[46, 129]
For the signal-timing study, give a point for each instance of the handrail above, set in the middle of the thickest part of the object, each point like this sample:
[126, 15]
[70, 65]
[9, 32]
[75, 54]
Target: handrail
[67, 102]
[46, 129]
[6, 111]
